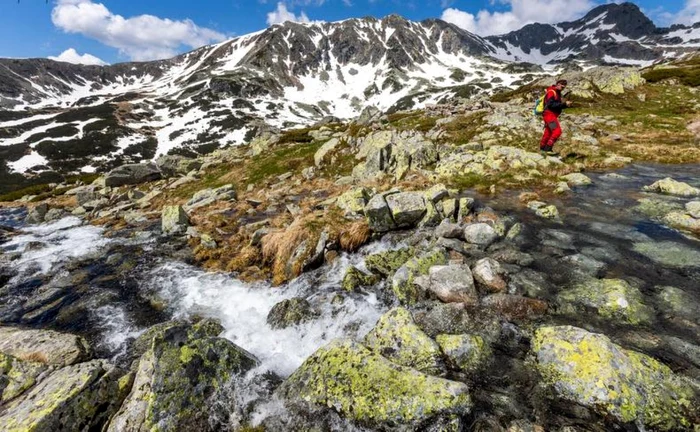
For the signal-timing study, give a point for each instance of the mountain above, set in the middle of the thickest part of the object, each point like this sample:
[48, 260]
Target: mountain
[72, 118]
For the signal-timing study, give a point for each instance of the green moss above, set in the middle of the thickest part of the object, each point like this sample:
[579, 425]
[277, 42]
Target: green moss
[468, 353]
[386, 263]
[406, 291]
[278, 161]
[355, 279]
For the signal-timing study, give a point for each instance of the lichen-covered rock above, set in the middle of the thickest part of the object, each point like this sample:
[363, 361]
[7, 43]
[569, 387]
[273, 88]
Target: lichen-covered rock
[489, 275]
[399, 339]
[407, 208]
[682, 221]
[379, 215]
[174, 220]
[577, 179]
[406, 291]
[37, 214]
[670, 186]
[613, 299]
[676, 302]
[588, 369]
[78, 397]
[465, 352]
[353, 201]
[370, 390]
[290, 312]
[45, 346]
[132, 174]
[386, 263]
[326, 148]
[177, 380]
[657, 207]
[201, 329]
[453, 284]
[16, 376]
[693, 209]
[206, 197]
[354, 279]
[447, 229]
[669, 253]
[480, 233]
[543, 210]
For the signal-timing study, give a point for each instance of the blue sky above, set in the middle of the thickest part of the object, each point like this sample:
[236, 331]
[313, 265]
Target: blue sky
[123, 30]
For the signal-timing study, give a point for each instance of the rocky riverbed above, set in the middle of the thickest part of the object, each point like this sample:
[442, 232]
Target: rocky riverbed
[570, 311]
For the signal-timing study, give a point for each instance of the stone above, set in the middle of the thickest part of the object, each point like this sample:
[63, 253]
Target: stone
[45, 346]
[515, 307]
[174, 220]
[407, 208]
[577, 179]
[480, 233]
[207, 242]
[693, 209]
[488, 274]
[369, 115]
[669, 253]
[402, 283]
[370, 390]
[386, 263]
[86, 194]
[437, 193]
[562, 188]
[682, 221]
[547, 212]
[447, 229]
[670, 186]
[453, 284]
[132, 174]
[37, 214]
[397, 338]
[54, 214]
[135, 217]
[322, 153]
[379, 215]
[583, 265]
[465, 207]
[657, 208]
[613, 299]
[448, 208]
[77, 397]
[588, 369]
[353, 202]
[172, 165]
[678, 303]
[177, 381]
[465, 352]
[290, 312]
[432, 216]
[17, 376]
[355, 279]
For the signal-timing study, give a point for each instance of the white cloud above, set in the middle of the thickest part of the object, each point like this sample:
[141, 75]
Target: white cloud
[282, 14]
[690, 13]
[521, 12]
[71, 56]
[143, 37]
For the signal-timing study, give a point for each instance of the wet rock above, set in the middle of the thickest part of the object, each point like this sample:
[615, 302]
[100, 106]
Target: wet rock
[682, 221]
[557, 239]
[291, 312]
[201, 329]
[371, 390]
[489, 275]
[480, 233]
[453, 284]
[16, 376]
[45, 346]
[513, 256]
[174, 220]
[54, 214]
[527, 426]
[37, 214]
[449, 230]
[355, 279]
[77, 397]
[693, 209]
[529, 283]
[562, 188]
[354, 201]
[577, 179]
[132, 174]
[670, 186]
[588, 369]
[669, 253]
[379, 215]
[515, 307]
[397, 338]
[402, 283]
[465, 352]
[676, 302]
[547, 212]
[582, 265]
[657, 208]
[177, 381]
[613, 299]
[407, 208]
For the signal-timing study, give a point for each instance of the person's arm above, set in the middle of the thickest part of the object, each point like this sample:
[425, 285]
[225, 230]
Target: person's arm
[551, 103]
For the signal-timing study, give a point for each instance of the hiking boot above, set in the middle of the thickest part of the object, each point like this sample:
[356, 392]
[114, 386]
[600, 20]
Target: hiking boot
[551, 153]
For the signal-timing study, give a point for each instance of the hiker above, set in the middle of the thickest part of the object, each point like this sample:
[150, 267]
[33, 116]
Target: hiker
[553, 106]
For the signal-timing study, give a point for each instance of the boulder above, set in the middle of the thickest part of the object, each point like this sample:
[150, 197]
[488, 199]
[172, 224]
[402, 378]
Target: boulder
[465, 352]
[354, 201]
[370, 390]
[16, 376]
[177, 382]
[379, 215]
[669, 253]
[172, 165]
[403, 282]
[682, 221]
[678, 303]
[515, 307]
[447, 229]
[54, 214]
[85, 194]
[354, 279]
[693, 209]
[613, 299]
[326, 148]
[670, 186]
[397, 338]
[480, 233]
[386, 263]
[174, 220]
[37, 214]
[369, 115]
[290, 312]
[78, 397]
[206, 197]
[489, 275]
[588, 369]
[132, 174]
[407, 208]
[577, 179]
[453, 284]
[44, 346]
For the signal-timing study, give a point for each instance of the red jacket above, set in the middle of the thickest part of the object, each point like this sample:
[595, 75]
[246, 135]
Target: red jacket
[553, 105]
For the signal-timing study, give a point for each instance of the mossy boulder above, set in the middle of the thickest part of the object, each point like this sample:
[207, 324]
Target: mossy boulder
[291, 312]
[403, 282]
[174, 220]
[682, 221]
[465, 352]
[670, 186]
[368, 389]
[577, 179]
[178, 378]
[613, 299]
[78, 397]
[386, 263]
[46, 346]
[399, 339]
[353, 201]
[17, 375]
[355, 279]
[588, 369]
[678, 303]
[379, 215]
[407, 208]
[657, 208]
[669, 253]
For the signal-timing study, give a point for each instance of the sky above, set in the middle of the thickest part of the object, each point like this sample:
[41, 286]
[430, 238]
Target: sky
[113, 31]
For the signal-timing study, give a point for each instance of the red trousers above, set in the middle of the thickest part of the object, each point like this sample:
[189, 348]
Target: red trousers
[552, 130]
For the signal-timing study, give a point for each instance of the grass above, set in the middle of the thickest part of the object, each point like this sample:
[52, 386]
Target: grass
[416, 120]
[686, 72]
[464, 128]
[291, 158]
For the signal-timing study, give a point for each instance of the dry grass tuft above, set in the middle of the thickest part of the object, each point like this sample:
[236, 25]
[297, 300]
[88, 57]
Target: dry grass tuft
[247, 257]
[355, 235]
[37, 357]
[279, 246]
